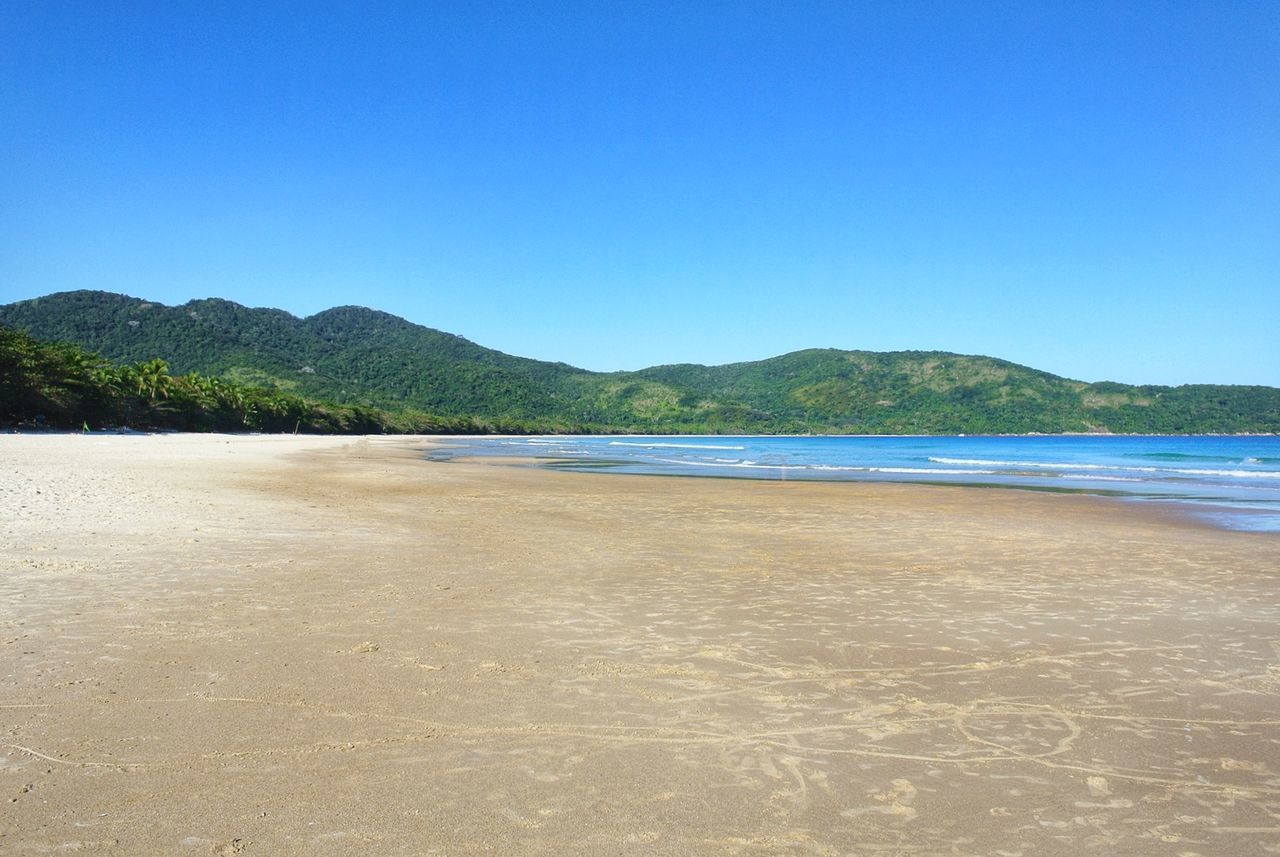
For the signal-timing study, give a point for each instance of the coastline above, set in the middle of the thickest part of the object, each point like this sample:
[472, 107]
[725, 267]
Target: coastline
[1217, 480]
[303, 645]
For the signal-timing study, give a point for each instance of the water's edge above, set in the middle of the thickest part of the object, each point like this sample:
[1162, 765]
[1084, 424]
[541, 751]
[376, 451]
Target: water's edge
[1230, 482]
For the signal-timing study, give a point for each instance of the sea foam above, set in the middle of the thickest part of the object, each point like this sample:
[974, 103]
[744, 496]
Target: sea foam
[672, 445]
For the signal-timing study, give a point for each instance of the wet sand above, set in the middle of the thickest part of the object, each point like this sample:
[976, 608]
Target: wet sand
[265, 645]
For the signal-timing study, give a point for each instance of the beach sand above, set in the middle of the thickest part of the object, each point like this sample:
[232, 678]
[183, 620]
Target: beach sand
[313, 646]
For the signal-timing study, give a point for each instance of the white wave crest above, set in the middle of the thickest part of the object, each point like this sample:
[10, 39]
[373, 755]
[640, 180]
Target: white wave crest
[672, 445]
[1234, 474]
[933, 471]
[1046, 465]
[1094, 477]
[753, 465]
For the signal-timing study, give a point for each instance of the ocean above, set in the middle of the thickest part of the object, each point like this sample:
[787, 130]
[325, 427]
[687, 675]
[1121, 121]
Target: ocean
[1231, 481]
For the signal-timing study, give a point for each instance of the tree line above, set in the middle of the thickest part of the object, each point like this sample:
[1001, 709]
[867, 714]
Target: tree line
[401, 379]
[59, 385]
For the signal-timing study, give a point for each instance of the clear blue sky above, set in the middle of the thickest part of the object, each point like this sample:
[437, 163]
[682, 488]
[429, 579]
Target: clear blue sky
[1088, 188]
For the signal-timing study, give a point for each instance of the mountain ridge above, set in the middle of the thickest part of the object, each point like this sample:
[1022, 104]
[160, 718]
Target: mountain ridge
[357, 355]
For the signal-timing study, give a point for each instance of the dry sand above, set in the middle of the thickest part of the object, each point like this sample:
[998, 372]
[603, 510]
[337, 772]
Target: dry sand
[261, 645]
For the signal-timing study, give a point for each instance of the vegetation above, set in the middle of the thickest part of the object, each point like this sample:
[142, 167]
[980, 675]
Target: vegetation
[64, 386]
[372, 363]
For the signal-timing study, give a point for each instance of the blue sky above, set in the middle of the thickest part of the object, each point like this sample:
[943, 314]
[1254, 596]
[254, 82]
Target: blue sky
[1088, 188]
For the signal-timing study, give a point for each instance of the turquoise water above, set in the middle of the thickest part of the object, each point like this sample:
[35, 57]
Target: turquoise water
[1233, 481]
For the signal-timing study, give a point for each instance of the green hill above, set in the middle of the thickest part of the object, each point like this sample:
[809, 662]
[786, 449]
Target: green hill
[358, 356]
[60, 385]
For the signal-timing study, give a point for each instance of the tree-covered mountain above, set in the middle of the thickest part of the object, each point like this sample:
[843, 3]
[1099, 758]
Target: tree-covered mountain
[359, 356]
[60, 385]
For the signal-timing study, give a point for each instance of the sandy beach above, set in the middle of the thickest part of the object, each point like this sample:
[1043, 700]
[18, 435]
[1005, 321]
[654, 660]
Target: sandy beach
[313, 646]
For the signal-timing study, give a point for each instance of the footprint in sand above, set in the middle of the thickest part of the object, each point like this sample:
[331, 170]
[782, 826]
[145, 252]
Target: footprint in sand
[895, 800]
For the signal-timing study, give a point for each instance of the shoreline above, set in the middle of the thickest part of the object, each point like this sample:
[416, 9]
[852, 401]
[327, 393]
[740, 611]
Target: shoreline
[1224, 506]
[1154, 508]
[313, 645]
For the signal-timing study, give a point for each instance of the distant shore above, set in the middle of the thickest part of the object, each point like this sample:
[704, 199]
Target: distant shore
[318, 645]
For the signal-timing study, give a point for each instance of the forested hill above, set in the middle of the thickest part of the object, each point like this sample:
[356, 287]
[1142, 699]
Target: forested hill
[359, 356]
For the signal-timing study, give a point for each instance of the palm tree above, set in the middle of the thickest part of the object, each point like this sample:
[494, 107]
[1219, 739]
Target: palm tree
[154, 380]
